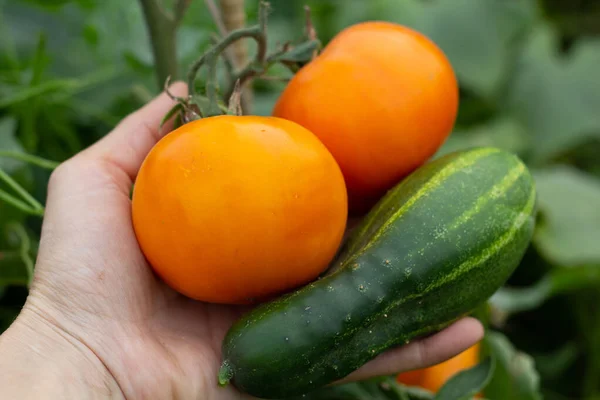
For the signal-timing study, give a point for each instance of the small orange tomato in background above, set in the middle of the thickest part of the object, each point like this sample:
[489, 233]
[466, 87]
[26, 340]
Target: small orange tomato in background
[231, 209]
[434, 377]
[382, 98]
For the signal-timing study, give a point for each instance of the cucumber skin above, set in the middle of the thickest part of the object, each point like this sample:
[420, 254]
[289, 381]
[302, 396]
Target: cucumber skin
[435, 247]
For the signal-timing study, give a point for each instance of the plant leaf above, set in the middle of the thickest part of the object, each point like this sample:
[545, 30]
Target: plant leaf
[552, 365]
[560, 280]
[479, 37]
[301, 53]
[515, 377]
[467, 383]
[503, 132]
[557, 97]
[174, 110]
[24, 94]
[568, 232]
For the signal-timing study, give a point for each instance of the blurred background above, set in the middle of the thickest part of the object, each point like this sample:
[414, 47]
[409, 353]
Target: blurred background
[530, 82]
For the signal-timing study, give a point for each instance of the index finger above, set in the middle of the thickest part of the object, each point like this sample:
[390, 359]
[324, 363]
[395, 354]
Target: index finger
[424, 352]
[130, 142]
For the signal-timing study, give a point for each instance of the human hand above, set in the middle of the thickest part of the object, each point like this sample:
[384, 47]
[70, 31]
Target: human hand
[98, 316]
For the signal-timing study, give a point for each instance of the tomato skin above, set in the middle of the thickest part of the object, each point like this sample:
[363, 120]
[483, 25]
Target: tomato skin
[434, 377]
[232, 209]
[382, 98]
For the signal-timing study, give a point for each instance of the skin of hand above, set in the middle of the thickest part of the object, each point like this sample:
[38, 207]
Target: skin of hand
[99, 324]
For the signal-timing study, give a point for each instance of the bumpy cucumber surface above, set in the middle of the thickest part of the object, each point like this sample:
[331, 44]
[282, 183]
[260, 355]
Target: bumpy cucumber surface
[436, 246]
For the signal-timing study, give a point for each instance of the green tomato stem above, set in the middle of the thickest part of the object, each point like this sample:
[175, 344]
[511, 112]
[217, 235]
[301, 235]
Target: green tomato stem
[162, 28]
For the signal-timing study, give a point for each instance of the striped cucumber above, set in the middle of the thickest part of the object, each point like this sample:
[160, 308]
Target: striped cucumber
[436, 246]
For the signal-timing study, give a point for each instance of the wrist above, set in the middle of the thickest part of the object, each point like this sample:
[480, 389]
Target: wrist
[39, 360]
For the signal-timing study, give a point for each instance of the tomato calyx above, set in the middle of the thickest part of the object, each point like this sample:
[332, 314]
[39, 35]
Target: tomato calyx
[212, 103]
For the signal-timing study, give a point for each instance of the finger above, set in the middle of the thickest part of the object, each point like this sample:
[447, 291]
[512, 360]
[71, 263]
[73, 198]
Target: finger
[90, 179]
[129, 143]
[424, 352]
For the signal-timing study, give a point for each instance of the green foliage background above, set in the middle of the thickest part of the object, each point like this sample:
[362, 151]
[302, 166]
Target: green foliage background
[530, 83]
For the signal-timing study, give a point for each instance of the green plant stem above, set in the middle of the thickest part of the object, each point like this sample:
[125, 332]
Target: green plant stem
[20, 190]
[228, 17]
[181, 7]
[30, 159]
[260, 63]
[211, 57]
[162, 28]
[19, 204]
[24, 248]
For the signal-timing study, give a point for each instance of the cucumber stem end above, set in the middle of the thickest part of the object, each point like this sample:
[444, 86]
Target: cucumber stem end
[225, 373]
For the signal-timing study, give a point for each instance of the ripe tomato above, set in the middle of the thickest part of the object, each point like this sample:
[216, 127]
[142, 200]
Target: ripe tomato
[382, 98]
[231, 209]
[434, 377]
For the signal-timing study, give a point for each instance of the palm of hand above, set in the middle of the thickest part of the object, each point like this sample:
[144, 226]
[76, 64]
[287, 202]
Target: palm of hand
[155, 342]
[93, 283]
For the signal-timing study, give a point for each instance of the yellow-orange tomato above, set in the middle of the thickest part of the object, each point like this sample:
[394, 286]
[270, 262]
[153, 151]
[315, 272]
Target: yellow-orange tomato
[382, 98]
[233, 209]
[434, 377]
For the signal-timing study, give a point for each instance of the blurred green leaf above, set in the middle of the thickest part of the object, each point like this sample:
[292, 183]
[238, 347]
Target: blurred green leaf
[515, 377]
[29, 113]
[111, 20]
[503, 132]
[557, 96]
[568, 232]
[8, 54]
[8, 142]
[467, 383]
[90, 34]
[301, 53]
[479, 37]
[193, 40]
[18, 235]
[12, 269]
[24, 94]
[264, 103]
[378, 388]
[52, 5]
[558, 281]
[552, 365]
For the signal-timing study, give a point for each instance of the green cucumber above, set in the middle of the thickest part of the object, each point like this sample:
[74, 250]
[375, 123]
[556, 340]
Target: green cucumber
[435, 247]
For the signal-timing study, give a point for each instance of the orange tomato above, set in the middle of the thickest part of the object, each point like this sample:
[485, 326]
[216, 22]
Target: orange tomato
[382, 98]
[411, 378]
[434, 377]
[233, 209]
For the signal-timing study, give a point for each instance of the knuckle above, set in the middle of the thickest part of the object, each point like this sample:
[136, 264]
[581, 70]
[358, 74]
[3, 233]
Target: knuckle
[65, 172]
[59, 173]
